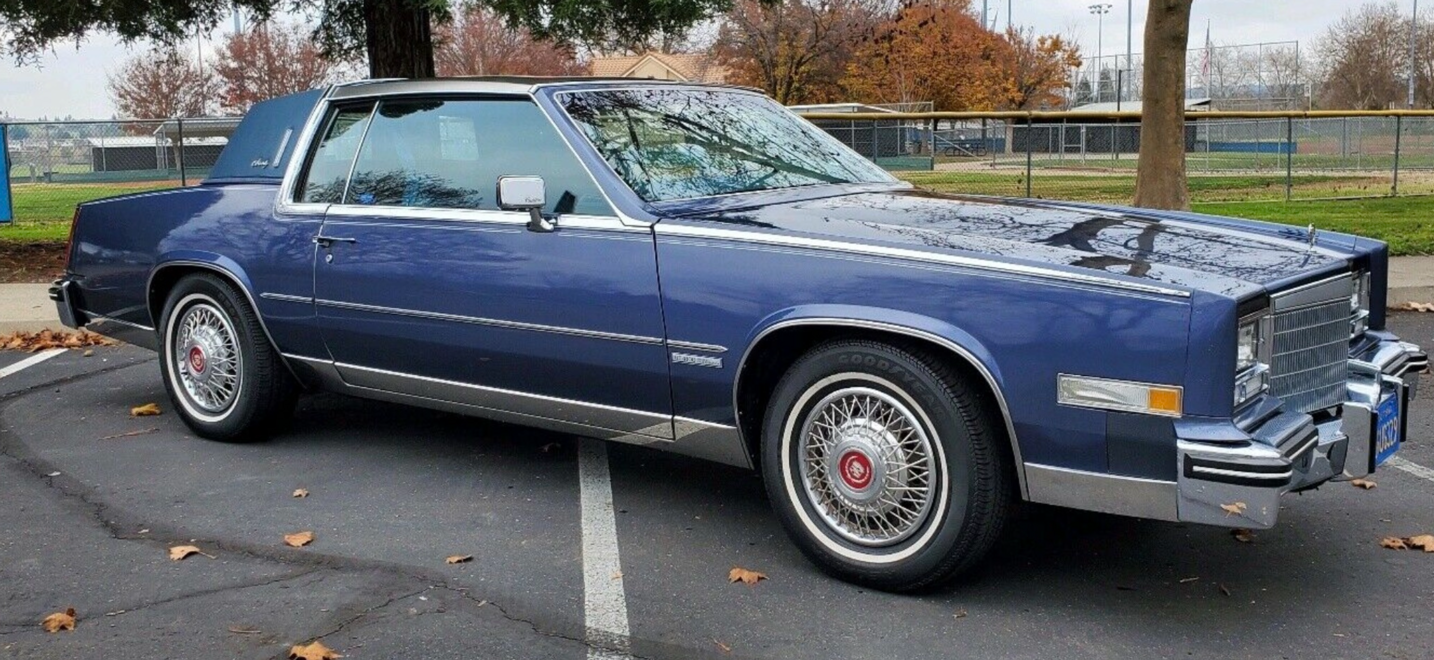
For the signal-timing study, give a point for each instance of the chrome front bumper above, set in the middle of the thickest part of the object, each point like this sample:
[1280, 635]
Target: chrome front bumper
[1239, 483]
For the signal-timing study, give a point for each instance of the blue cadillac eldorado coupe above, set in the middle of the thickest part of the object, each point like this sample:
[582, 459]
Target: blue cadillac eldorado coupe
[696, 269]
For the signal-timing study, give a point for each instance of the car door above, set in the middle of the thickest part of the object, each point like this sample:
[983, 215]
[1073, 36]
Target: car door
[425, 287]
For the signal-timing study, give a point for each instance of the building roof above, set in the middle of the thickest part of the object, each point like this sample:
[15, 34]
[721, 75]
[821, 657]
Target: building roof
[838, 107]
[1135, 106]
[694, 67]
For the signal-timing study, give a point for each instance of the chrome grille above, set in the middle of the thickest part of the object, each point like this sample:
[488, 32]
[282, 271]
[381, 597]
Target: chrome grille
[1310, 361]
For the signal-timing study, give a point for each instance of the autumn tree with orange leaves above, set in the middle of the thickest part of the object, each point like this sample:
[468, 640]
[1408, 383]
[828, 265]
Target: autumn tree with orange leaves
[796, 50]
[938, 51]
[478, 43]
[268, 60]
[1037, 68]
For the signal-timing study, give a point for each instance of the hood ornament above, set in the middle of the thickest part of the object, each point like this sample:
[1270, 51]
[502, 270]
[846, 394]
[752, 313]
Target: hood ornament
[1313, 236]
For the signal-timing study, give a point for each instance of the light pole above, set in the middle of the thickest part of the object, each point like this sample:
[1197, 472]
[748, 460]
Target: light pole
[1100, 9]
[1129, 29]
[1413, 38]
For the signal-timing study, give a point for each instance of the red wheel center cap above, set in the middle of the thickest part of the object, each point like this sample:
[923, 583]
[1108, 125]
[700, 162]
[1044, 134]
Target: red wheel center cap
[855, 468]
[196, 359]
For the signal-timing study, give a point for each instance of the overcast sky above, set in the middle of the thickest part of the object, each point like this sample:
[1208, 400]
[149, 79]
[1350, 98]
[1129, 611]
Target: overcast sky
[71, 81]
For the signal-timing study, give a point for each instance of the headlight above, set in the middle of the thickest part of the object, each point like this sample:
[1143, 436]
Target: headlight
[1250, 341]
[1359, 305]
[1252, 355]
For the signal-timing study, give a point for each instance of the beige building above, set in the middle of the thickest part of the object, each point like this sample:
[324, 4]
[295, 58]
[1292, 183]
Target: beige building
[683, 67]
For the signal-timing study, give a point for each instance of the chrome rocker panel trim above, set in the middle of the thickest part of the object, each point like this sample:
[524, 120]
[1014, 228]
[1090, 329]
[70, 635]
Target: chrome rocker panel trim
[690, 437]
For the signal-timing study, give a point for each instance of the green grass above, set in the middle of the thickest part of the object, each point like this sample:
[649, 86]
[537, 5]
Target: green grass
[43, 211]
[1406, 223]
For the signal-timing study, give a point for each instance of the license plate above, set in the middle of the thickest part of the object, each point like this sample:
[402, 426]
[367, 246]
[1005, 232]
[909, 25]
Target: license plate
[1386, 435]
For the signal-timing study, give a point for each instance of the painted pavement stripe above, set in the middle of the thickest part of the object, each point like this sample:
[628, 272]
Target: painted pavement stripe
[604, 600]
[30, 362]
[1412, 468]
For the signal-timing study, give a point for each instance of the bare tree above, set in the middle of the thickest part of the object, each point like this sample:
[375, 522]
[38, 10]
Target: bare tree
[161, 83]
[266, 61]
[796, 50]
[1160, 176]
[1363, 58]
[479, 43]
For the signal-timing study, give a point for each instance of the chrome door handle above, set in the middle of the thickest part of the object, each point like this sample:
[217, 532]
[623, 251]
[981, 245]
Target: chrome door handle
[328, 241]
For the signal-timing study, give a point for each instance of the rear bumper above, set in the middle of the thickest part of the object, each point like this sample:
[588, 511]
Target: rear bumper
[1239, 484]
[62, 292]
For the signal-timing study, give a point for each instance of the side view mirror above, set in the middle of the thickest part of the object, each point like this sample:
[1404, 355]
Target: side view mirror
[526, 193]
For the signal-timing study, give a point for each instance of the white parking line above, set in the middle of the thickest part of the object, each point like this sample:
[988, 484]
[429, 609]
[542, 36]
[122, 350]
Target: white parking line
[604, 601]
[1412, 468]
[30, 361]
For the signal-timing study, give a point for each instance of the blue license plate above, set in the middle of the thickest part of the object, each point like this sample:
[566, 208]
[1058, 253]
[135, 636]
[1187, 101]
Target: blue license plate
[1386, 435]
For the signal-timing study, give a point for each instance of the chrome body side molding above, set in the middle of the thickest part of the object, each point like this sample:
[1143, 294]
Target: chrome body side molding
[284, 297]
[497, 323]
[679, 435]
[952, 346]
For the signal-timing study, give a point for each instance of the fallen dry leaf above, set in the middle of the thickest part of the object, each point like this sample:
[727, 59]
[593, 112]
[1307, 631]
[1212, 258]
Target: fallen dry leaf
[617, 575]
[1424, 542]
[89, 352]
[960, 614]
[459, 559]
[240, 630]
[131, 434]
[146, 410]
[1364, 483]
[301, 492]
[179, 552]
[59, 621]
[1188, 580]
[548, 448]
[48, 339]
[312, 651]
[1413, 307]
[1393, 543]
[1243, 535]
[299, 539]
[722, 647]
[1233, 509]
[738, 574]
[1224, 590]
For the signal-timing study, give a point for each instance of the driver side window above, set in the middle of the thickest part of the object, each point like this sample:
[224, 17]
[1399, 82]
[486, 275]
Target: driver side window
[449, 153]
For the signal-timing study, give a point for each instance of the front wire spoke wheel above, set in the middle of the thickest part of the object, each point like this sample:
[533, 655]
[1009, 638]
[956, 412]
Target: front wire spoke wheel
[867, 466]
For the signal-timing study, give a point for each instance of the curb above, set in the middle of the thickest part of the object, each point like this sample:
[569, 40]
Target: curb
[1399, 295]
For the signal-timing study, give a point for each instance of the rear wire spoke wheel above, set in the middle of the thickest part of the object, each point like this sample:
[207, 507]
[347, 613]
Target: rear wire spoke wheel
[226, 380]
[206, 358]
[884, 463]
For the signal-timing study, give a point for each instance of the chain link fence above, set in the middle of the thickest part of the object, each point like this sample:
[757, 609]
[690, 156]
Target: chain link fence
[1093, 158]
[56, 165]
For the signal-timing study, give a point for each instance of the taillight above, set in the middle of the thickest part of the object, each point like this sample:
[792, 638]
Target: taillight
[70, 239]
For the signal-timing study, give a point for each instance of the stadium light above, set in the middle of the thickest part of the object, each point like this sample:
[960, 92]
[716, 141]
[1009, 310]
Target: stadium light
[1100, 9]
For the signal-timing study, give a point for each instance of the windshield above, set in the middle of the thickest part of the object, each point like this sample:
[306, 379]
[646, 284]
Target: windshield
[670, 144]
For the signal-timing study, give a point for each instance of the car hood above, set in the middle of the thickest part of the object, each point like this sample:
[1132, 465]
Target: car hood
[1118, 241]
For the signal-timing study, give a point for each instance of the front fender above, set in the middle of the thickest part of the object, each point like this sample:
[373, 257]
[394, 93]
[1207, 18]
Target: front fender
[949, 337]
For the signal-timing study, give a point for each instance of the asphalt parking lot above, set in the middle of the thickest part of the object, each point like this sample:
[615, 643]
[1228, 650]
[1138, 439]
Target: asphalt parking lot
[92, 498]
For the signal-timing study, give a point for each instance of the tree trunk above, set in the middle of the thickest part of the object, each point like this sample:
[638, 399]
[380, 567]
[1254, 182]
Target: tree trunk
[1160, 176]
[400, 39]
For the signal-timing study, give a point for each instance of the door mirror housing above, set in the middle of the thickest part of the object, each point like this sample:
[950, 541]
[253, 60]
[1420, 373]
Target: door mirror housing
[526, 193]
